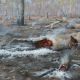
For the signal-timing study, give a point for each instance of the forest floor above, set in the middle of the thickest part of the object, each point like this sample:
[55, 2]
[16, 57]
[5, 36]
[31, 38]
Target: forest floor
[21, 67]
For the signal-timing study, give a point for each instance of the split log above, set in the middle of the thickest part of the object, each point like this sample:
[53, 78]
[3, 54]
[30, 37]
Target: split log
[73, 43]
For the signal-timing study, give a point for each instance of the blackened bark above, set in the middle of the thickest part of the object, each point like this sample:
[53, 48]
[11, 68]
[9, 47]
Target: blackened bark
[21, 17]
[22, 12]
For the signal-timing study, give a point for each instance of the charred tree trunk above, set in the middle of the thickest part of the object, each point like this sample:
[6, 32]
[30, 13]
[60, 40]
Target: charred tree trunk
[21, 17]
[22, 12]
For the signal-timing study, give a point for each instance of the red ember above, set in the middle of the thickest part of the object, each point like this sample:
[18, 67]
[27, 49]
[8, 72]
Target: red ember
[43, 43]
[63, 67]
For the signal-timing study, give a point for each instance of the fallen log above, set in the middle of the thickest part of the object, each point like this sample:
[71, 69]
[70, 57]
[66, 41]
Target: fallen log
[52, 24]
[60, 42]
[45, 73]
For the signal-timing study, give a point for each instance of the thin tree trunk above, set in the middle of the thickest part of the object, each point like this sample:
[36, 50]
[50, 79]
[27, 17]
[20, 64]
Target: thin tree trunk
[47, 15]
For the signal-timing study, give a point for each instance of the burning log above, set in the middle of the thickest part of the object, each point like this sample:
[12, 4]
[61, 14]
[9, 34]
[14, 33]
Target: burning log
[64, 66]
[65, 63]
[43, 43]
[73, 43]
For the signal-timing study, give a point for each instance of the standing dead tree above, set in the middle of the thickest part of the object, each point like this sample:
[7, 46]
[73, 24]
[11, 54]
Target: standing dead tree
[22, 12]
[20, 20]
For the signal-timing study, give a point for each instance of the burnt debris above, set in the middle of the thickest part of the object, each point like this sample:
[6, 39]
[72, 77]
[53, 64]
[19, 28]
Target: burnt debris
[73, 43]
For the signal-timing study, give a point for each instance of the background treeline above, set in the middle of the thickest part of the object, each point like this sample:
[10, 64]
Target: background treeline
[13, 9]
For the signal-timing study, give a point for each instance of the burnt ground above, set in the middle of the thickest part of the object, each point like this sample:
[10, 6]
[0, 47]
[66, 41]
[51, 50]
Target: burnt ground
[21, 68]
